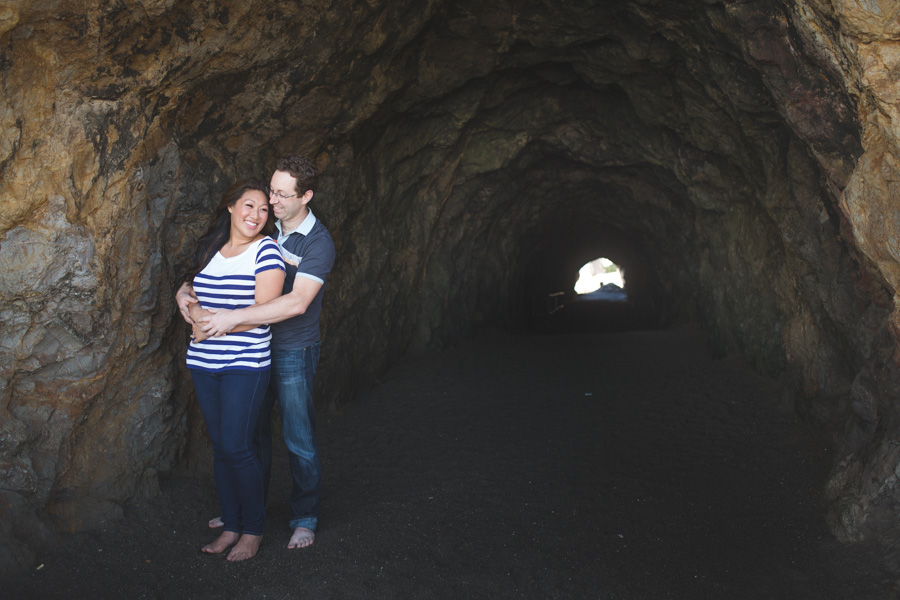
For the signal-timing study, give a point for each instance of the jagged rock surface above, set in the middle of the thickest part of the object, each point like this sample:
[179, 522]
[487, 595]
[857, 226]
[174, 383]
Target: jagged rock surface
[739, 158]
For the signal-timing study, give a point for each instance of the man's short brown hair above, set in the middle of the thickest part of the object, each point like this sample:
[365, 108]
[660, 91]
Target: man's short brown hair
[302, 169]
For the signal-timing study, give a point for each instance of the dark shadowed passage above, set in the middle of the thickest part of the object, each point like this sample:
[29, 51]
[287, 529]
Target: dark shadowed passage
[619, 466]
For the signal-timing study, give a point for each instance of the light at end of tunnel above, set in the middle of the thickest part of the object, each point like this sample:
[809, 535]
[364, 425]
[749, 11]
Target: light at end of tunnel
[596, 274]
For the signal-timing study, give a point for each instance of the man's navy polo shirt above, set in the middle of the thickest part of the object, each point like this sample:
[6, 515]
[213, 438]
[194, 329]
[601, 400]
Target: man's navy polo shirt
[308, 252]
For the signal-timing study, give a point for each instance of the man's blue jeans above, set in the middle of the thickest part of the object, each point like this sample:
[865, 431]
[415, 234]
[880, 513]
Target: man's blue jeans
[293, 373]
[230, 401]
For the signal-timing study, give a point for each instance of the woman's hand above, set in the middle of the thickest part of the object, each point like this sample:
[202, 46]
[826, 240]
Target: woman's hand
[196, 311]
[198, 334]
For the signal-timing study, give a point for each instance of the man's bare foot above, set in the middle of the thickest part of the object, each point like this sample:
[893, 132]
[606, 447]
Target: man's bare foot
[302, 538]
[221, 543]
[247, 547]
[216, 522]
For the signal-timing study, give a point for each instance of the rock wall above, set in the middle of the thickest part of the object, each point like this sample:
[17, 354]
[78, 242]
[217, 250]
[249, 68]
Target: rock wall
[739, 158]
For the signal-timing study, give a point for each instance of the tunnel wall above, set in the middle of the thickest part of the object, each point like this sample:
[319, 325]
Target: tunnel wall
[745, 149]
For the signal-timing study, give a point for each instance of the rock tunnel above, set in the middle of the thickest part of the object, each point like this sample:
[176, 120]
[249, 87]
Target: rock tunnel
[738, 158]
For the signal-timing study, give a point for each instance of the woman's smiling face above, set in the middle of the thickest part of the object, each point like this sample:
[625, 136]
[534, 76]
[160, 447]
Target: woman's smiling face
[249, 214]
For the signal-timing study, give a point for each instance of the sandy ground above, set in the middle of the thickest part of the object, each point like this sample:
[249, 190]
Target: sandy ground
[609, 466]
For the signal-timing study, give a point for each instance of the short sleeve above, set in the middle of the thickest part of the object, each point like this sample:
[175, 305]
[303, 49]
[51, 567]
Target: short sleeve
[268, 256]
[318, 259]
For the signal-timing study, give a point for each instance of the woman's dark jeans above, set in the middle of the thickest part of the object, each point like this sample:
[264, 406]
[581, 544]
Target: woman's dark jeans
[230, 402]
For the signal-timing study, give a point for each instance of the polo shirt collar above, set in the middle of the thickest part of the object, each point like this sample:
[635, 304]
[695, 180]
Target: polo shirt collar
[304, 229]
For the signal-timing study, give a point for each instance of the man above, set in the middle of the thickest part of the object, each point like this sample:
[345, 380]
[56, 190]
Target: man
[308, 252]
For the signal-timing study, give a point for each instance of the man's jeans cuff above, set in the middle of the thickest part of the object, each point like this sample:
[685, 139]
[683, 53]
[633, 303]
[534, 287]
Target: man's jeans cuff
[306, 522]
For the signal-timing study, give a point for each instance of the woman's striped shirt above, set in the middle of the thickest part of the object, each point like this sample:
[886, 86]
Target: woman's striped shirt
[230, 283]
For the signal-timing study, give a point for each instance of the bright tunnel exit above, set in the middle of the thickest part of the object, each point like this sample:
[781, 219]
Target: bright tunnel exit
[601, 275]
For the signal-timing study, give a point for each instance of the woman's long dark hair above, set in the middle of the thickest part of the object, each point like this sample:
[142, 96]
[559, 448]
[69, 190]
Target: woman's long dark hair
[217, 234]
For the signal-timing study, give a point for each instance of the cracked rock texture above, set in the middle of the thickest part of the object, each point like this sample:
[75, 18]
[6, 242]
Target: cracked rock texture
[740, 159]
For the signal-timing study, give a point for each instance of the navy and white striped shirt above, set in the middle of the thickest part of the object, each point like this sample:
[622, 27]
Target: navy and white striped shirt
[230, 283]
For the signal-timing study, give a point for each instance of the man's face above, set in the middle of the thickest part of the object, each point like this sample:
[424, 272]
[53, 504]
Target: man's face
[286, 201]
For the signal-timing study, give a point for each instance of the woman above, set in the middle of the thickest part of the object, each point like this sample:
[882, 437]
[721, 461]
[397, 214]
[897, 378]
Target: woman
[236, 264]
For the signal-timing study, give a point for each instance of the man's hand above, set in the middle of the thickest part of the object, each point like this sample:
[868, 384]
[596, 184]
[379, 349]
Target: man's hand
[185, 298]
[219, 322]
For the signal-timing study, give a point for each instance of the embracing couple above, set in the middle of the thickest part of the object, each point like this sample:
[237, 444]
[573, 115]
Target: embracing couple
[253, 295]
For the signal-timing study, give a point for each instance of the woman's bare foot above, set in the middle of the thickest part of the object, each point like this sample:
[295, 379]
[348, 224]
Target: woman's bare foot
[247, 547]
[221, 543]
[302, 538]
[216, 522]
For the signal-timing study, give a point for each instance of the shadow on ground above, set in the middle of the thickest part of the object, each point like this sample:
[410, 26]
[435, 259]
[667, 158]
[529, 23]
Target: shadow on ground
[615, 466]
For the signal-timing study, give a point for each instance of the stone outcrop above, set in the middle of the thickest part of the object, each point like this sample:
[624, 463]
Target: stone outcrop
[738, 158]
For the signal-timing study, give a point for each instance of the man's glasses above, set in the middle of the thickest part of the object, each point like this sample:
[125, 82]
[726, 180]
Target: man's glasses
[282, 196]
